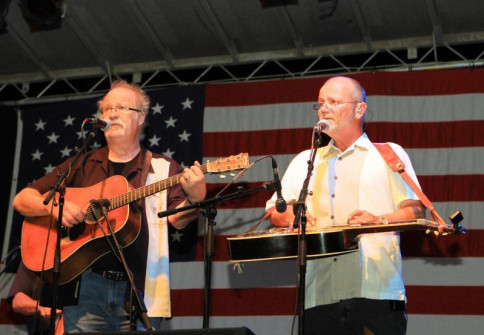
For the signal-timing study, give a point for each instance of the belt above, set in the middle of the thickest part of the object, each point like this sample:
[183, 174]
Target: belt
[112, 275]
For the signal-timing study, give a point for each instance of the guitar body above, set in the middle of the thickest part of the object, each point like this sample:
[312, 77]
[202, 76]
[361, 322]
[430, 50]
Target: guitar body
[279, 243]
[81, 248]
[86, 242]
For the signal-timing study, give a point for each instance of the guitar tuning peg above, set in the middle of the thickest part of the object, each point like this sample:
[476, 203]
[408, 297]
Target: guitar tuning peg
[222, 176]
[232, 174]
[427, 231]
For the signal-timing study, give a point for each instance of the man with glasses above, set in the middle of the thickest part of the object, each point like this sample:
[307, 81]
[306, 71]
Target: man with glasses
[104, 290]
[359, 292]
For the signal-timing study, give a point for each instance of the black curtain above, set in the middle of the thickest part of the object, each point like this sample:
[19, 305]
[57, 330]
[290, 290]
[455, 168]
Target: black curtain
[8, 137]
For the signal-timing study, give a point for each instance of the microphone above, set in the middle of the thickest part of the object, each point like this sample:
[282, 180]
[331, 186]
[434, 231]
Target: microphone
[280, 202]
[100, 203]
[98, 123]
[321, 126]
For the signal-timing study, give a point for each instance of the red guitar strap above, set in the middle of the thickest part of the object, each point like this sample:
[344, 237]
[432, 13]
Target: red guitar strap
[397, 165]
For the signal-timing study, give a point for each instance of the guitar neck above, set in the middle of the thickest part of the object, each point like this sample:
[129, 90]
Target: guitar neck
[147, 190]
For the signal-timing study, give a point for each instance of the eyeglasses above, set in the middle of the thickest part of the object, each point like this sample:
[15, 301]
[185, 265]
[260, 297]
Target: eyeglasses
[118, 109]
[332, 103]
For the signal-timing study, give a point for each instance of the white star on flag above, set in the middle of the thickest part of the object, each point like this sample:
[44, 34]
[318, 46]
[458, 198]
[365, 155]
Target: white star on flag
[66, 152]
[170, 122]
[168, 152]
[40, 125]
[53, 138]
[184, 136]
[176, 236]
[37, 155]
[154, 140]
[49, 168]
[69, 121]
[187, 103]
[157, 108]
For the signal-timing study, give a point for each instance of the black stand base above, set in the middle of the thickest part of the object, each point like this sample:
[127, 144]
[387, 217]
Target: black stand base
[214, 331]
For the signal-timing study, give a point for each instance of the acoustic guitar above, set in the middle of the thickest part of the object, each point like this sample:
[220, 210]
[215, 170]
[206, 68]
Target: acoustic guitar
[86, 241]
[280, 243]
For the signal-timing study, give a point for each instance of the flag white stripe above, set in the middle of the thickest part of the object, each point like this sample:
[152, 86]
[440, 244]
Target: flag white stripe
[445, 324]
[426, 162]
[464, 271]
[238, 221]
[13, 329]
[438, 108]
[441, 108]
[447, 161]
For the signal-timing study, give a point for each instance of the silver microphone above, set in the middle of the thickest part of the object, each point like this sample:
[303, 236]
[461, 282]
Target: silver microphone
[98, 123]
[321, 126]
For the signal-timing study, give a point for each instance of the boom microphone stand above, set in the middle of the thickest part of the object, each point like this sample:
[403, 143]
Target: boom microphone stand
[209, 211]
[142, 311]
[57, 188]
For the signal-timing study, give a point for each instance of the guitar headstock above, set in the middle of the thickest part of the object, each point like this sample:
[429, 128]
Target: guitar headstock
[455, 228]
[232, 163]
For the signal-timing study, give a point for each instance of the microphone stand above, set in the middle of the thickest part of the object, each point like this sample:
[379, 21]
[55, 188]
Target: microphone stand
[56, 269]
[301, 218]
[209, 211]
[142, 311]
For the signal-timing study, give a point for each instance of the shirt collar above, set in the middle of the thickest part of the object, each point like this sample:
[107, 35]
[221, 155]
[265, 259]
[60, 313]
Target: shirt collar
[363, 142]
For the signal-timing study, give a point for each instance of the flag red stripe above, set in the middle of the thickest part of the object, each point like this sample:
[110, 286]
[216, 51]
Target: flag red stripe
[453, 134]
[459, 300]
[413, 244]
[441, 300]
[466, 187]
[8, 316]
[420, 244]
[377, 83]
[458, 188]
[235, 302]
[450, 300]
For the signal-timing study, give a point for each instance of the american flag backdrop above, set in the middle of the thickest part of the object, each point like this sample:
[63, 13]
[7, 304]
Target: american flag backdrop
[437, 116]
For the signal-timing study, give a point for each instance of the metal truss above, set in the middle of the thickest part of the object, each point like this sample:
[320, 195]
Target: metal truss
[76, 84]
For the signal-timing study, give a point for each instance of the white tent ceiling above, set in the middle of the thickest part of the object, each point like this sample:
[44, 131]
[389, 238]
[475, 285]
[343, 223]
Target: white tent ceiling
[176, 42]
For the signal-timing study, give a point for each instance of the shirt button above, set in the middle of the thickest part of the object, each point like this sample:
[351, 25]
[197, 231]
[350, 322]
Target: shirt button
[332, 195]
[332, 217]
[335, 259]
[335, 177]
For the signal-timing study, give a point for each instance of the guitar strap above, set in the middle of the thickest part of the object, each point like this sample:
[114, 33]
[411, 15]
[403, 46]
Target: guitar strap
[143, 178]
[397, 165]
[146, 168]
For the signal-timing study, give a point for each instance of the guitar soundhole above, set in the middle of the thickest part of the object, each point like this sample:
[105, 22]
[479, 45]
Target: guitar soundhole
[76, 231]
